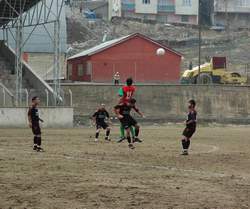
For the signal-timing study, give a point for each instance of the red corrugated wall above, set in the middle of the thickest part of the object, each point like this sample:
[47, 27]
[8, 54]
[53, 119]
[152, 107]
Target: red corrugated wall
[135, 57]
[75, 63]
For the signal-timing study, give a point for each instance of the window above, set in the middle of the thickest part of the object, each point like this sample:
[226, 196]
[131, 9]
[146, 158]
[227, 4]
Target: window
[146, 1]
[69, 70]
[89, 68]
[162, 18]
[80, 70]
[184, 18]
[187, 3]
[244, 3]
[162, 2]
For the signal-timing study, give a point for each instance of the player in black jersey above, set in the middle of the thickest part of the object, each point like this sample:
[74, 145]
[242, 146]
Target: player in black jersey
[190, 126]
[123, 113]
[34, 120]
[99, 118]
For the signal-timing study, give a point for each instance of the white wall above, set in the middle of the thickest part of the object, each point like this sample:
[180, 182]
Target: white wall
[42, 64]
[239, 6]
[115, 8]
[146, 8]
[53, 117]
[182, 9]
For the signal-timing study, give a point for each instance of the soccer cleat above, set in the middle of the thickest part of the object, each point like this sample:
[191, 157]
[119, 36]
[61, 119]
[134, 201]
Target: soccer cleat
[184, 152]
[131, 146]
[34, 147]
[96, 140]
[121, 139]
[39, 149]
[136, 139]
[107, 138]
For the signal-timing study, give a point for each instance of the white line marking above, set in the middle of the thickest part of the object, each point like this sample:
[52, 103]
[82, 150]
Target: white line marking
[213, 148]
[135, 165]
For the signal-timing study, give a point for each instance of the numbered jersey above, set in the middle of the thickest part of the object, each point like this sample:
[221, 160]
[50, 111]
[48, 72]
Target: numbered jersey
[127, 93]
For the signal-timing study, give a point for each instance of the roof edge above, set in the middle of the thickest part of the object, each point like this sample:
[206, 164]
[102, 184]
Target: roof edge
[123, 40]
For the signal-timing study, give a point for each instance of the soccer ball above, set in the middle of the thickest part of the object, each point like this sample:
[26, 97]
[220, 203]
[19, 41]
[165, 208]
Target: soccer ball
[160, 52]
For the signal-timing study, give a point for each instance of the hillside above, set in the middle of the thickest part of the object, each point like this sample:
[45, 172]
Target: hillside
[83, 34]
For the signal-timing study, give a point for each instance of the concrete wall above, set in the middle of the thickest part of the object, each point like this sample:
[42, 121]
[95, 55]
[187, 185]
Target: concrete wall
[223, 104]
[53, 117]
[42, 64]
[140, 7]
[6, 97]
[236, 20]
[182, 9]
[241, 6]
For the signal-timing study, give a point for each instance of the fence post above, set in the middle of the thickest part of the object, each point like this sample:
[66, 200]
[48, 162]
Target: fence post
[47, 97]
[4, 98]
[71, 98]
[27, 97]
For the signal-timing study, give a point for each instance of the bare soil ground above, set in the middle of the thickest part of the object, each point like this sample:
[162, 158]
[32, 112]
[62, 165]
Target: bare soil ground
[76, 173]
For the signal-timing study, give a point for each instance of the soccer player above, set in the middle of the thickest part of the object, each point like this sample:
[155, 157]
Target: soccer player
[99, 118]
[125, 94]
[123, 113]
[122, 133]
[190, 126]
[34, 119]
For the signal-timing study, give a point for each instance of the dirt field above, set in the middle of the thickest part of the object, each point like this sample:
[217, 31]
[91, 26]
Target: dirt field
[77, 173]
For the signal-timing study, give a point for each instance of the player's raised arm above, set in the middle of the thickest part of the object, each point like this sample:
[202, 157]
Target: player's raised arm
[139, 112]
[117, 111]
[134, 107]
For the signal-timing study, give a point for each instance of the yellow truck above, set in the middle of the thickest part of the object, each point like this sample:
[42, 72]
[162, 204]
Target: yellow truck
[214, 72]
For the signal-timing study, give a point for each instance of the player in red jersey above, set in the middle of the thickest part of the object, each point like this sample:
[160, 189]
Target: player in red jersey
[126, 92]
[125, 95]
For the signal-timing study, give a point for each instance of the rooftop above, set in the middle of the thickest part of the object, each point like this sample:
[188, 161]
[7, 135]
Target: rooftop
[113, 42]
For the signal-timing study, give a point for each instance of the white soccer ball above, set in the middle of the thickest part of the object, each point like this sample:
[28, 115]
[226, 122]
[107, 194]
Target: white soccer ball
[160, 52]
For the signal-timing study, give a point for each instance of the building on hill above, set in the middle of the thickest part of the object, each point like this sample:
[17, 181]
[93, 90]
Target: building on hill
[163, 11]
[133, 55]
[232, 13]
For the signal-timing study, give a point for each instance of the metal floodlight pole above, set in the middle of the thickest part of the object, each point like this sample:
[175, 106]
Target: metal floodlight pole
[56, 70]
[199, 25]
[18, 64]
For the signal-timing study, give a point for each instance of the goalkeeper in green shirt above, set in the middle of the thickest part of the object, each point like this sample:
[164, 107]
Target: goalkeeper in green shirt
[122, 129]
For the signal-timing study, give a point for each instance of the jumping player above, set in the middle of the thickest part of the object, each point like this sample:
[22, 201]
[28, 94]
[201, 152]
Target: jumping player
[123, 113]
[99, 118]
[190, 127]
[125, 94]
[122, 133]
[34, 119]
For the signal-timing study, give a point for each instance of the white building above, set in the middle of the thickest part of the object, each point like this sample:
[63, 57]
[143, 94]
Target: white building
[165, 11]
[235, 13]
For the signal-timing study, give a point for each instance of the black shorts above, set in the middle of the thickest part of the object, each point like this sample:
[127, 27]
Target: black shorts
[188, 132]
[128, 121]
[36, 129]
[102, 125]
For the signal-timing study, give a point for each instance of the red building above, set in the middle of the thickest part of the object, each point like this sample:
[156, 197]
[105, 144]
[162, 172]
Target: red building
[131, 56]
